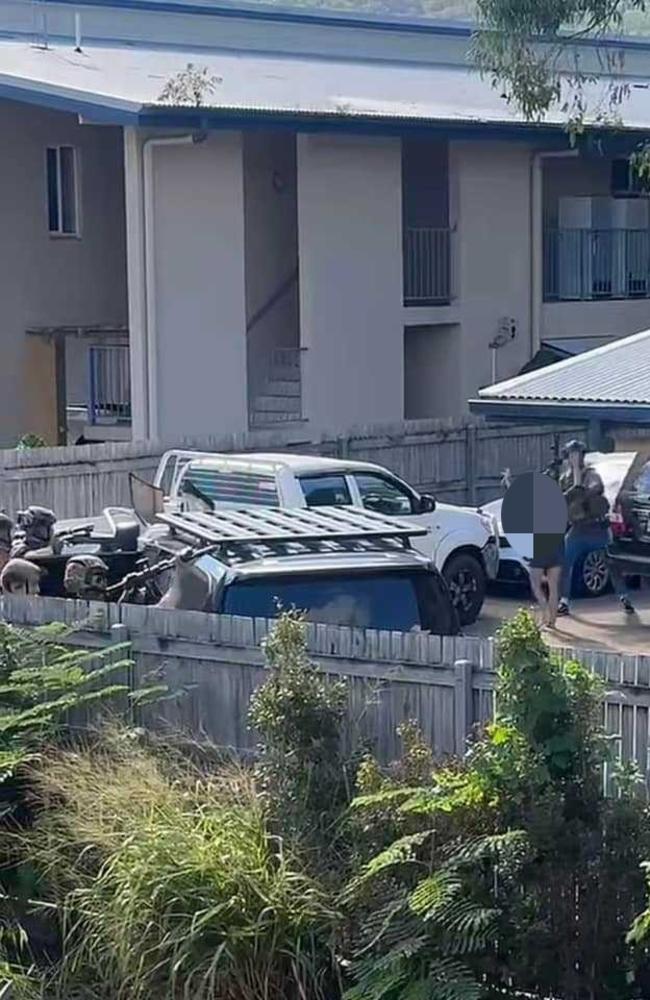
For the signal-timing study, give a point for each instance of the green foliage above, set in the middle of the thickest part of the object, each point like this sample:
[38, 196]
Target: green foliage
[512, 864]
[190, 87]
[170, 883]
[28, 441]
[298, 713]
[41, 680]
[530, 50]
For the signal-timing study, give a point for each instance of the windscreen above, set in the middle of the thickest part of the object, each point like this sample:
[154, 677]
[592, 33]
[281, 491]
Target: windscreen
[391, 601]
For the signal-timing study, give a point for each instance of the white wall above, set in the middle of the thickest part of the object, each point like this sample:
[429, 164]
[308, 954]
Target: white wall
[349, 222]
[432, 370]
[49, 281]
[199, 329]
[491, 209]
[617, 318]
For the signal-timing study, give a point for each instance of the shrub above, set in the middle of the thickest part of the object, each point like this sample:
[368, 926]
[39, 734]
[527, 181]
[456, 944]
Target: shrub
[171, 884]
[298, 714]
[510, 871]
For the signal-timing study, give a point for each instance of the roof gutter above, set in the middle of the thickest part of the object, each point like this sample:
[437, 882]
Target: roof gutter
[554, 409]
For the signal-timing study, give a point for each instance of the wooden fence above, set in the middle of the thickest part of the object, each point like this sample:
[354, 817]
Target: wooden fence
[212, 664]
[459, 461]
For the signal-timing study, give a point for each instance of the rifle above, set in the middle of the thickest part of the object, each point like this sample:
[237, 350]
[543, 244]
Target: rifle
[132, 584]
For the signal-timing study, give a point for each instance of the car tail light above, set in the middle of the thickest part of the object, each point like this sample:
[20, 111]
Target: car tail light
[618, 524]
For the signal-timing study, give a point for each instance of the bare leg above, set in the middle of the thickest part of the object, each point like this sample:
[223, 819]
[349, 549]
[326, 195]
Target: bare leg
[536, 578]
[553, 579]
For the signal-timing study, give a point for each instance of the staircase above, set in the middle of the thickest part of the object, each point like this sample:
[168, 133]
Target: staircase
[278, 402]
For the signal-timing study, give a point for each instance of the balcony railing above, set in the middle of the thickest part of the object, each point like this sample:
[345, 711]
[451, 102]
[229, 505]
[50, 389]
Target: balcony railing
[587, 264]
[427, 267]
[110, 384]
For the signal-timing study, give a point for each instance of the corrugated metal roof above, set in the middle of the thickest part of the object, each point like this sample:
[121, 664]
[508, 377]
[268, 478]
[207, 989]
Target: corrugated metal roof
[616, 373]
[132, 78]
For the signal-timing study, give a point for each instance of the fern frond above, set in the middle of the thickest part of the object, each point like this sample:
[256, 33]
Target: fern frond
[401, 851]
[434, 893]
[451, 980]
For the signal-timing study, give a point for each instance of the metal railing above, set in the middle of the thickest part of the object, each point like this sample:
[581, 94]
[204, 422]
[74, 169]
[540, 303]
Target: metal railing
[427, 266]
[110, 384]
[586, 264]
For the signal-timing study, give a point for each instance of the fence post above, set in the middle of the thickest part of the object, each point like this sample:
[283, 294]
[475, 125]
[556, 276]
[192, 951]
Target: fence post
[120, 635]
[471, 437]
[463, 703]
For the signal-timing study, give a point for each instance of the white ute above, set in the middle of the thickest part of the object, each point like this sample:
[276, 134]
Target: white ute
[461, 542]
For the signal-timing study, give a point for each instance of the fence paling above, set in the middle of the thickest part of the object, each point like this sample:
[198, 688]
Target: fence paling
[446, 683]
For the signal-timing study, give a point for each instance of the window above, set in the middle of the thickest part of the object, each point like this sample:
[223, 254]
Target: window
[393, 601]
[237, 489]
[62, 191]
[384, 496]
[325, 491]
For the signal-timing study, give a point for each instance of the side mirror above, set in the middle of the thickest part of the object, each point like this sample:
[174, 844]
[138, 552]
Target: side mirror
[427, 504]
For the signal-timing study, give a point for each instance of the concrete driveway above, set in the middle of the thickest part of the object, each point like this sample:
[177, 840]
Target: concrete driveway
[597, 623]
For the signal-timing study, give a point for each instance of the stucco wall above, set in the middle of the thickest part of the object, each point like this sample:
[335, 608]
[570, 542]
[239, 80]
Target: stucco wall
[491, 211]
[49, 281]
[349, 222]
[432, 370]
[200, 305]
[595, 319]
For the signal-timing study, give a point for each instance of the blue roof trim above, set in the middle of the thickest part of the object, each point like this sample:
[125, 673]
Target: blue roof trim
[291, 15]
[625, 413]
[334, 18]
[94, 110]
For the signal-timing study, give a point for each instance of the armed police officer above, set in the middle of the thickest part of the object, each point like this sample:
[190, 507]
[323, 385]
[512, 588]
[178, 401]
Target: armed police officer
[588, 527]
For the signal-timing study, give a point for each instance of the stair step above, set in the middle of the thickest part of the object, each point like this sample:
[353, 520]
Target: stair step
[282, 387]
[276, 404]
[284, 373]
[262, 419]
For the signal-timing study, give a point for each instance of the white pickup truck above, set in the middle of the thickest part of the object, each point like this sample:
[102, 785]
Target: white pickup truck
[462, 542]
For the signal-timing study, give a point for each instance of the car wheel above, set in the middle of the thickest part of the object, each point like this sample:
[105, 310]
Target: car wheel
[592, 577]
[466, 579]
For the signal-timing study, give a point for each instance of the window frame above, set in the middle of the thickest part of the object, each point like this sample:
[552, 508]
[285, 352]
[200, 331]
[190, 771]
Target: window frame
[61, 234]
[326, 475]
[400, 486]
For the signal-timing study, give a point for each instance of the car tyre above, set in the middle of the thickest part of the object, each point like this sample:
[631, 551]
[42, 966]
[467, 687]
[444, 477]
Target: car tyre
[467, 582]
[591, 577]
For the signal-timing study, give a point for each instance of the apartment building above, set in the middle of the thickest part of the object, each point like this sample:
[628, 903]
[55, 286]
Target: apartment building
[331, 220]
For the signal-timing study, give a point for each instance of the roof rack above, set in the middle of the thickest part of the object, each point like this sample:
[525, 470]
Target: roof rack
[270, 526]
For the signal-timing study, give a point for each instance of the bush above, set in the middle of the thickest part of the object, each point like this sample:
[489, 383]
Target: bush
[511, 871]
[301, 771]
[171, 885]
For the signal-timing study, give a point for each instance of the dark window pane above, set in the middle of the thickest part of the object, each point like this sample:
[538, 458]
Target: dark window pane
[383, 495]
[325, 491]
[240, 489]
[381, 601]
[642, 482]
[68, 190]
[52, 191]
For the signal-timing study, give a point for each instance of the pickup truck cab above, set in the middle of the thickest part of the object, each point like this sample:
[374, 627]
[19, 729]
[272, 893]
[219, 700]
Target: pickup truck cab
[461, 542]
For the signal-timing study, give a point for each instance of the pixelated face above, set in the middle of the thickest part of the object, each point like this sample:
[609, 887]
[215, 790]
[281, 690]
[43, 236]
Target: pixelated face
[534, 515]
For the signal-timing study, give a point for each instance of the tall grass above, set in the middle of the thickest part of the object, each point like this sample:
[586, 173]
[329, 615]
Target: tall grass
[170, 885]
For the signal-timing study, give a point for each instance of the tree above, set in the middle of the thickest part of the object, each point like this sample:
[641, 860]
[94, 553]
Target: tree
[532, 50]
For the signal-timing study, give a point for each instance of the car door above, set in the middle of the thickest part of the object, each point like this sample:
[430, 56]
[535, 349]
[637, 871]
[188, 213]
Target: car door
[389, 496]
[325, 489]
[634, 500]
